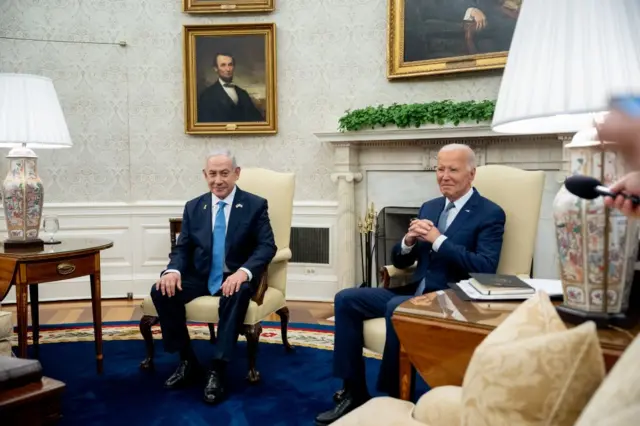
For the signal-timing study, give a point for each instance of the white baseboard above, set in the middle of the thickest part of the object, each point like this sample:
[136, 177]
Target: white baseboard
[140, 232]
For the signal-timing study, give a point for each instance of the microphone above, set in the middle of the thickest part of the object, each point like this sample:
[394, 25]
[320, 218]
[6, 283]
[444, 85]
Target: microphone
[590, 188]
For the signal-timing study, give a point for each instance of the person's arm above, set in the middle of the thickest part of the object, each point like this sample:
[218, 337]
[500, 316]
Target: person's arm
[487, 255]
[180, 253]
[266, 247]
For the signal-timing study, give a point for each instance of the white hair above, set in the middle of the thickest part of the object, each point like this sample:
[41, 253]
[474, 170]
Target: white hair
[224, 152]
[471, 156]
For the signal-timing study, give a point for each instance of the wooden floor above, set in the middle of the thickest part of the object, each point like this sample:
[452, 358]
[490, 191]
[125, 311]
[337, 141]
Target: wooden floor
[129, 310]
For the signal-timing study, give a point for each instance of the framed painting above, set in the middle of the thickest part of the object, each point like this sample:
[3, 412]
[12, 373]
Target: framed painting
[227, 6]
[230, 78]
[430, 37]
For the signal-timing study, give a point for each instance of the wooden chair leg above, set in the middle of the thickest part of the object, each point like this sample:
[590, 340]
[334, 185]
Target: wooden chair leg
[212, 332]
[252, 333]
[283, 313]
[146, 322]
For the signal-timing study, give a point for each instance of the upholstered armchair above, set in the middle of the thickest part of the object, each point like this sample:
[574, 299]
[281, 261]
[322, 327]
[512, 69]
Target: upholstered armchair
[277, 188]
[6, 332]
[519, 193]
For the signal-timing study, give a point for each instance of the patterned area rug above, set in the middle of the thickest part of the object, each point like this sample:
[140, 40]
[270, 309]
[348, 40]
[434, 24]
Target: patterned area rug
[307, 335]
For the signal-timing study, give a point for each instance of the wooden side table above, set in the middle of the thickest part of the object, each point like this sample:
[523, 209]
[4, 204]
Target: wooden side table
[27, 268]
[439, 332]
[33, 404]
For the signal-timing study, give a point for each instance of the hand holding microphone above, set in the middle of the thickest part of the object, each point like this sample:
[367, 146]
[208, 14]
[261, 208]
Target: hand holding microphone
[623, 195]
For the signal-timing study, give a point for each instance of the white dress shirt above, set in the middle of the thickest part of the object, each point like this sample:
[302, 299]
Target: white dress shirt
[227, 212]
[457, 206]
[231, 91]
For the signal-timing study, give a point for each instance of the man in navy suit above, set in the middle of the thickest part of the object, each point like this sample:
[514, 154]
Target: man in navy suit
[224, 246]
[458, 233]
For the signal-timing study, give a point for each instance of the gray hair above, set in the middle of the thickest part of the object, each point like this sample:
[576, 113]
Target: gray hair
[224, 152]
[471, 156]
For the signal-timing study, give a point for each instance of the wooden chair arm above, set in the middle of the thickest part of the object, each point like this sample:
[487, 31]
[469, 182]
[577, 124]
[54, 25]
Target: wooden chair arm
[389, 271]
[282, 255]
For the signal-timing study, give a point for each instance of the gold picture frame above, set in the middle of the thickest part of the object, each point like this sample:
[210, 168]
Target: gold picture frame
[227, 6]
[230, 79]
[455, 38]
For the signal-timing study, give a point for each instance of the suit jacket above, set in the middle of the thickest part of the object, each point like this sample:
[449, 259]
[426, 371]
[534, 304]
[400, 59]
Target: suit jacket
[214, 105]
[473, 244]
[249, 240]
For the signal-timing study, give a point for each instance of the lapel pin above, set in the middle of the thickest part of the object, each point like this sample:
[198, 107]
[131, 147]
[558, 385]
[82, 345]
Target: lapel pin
[468, 211]
[238, 206]
[205, 207]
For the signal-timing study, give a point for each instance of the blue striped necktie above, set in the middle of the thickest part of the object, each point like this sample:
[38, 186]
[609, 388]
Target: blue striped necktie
[442, 227]
[217, 255]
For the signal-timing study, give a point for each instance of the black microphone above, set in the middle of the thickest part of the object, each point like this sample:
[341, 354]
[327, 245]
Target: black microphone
[589, 188]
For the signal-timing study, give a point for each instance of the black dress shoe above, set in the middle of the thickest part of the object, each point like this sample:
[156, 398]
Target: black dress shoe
[214, 391]
[347, 404]
[185, 374]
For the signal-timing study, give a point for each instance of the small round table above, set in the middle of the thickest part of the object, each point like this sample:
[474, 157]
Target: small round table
[27, 268]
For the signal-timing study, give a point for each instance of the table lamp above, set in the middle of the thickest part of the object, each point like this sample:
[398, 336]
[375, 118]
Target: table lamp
[30, 117]
[567, 58]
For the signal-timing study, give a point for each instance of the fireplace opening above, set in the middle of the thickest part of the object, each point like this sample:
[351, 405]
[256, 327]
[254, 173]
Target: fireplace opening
[392, 225]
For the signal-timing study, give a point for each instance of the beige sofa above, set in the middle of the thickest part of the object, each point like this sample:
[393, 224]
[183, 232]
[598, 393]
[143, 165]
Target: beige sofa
[6, 332]
[531, 370]
[519, 193]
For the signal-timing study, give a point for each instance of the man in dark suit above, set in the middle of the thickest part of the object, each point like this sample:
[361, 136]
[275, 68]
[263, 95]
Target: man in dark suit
[224, 101]
[458, 233]
[224, 246]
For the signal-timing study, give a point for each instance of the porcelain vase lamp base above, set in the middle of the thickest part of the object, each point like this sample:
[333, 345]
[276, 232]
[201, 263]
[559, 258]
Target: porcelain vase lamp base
[23, 196]
[597, 246]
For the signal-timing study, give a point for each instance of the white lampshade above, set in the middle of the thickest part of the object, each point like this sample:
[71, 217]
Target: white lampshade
[567, 58]
[30, 113]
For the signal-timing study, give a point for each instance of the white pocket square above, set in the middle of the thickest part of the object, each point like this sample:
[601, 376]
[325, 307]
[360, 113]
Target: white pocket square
[238, 206]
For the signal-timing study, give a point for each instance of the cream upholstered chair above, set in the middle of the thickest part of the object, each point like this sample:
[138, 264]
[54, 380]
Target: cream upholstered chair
[519, 193]
[6, 332]
[277, 188]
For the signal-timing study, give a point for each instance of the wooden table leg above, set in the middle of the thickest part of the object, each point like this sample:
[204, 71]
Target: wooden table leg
[406, 376]
[22, 304]
[96, 305]
[35, 319]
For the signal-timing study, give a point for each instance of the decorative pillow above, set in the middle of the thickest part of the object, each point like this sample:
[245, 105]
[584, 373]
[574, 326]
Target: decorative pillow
[617, 400]
[531, 370]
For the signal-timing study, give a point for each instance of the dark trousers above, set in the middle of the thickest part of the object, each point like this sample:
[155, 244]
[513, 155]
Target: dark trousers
[172, 315]
[352, 307]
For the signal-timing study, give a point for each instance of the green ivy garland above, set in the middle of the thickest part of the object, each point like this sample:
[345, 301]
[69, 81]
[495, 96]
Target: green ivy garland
[407, 115]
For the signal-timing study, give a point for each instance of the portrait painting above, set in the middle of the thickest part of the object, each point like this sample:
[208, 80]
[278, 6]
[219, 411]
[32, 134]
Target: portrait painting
[230, 79]
[227, 6]
[428, 37]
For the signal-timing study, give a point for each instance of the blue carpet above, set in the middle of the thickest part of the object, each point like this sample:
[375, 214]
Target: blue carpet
[294, 389]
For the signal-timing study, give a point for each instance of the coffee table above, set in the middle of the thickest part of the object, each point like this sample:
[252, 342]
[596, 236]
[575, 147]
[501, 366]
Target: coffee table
[439, 331]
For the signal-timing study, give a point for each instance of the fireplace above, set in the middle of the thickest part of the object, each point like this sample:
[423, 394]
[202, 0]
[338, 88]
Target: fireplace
[393, 169]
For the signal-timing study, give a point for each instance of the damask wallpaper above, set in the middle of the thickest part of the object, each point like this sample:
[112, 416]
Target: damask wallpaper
[124, 104]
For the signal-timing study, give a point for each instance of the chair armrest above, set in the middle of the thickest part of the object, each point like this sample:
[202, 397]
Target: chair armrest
[282, 255]
[389, 271]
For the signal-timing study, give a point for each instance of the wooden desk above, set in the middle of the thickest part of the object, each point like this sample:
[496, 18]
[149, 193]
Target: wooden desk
[26, 268]
[34, 404]
[439, 332]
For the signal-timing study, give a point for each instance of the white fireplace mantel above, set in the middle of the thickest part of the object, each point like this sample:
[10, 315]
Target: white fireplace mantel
[361, 156]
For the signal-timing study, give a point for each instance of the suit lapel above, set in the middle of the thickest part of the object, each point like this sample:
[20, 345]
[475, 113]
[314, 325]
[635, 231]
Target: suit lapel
[235, 215]
[205, 209]
[463, 215]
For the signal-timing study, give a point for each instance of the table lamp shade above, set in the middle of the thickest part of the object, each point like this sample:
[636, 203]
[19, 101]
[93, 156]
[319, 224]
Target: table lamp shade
[566, 59]
[30, 113]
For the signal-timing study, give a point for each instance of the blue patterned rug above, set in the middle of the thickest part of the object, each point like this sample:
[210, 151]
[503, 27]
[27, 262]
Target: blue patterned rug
[294, 388]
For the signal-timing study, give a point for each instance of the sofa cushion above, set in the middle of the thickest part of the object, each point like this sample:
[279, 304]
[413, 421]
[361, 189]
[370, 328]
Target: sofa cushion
[205, 308]
[532, 370]
[381, 411]
[617, 400]
[440, 406]
[6, 332]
